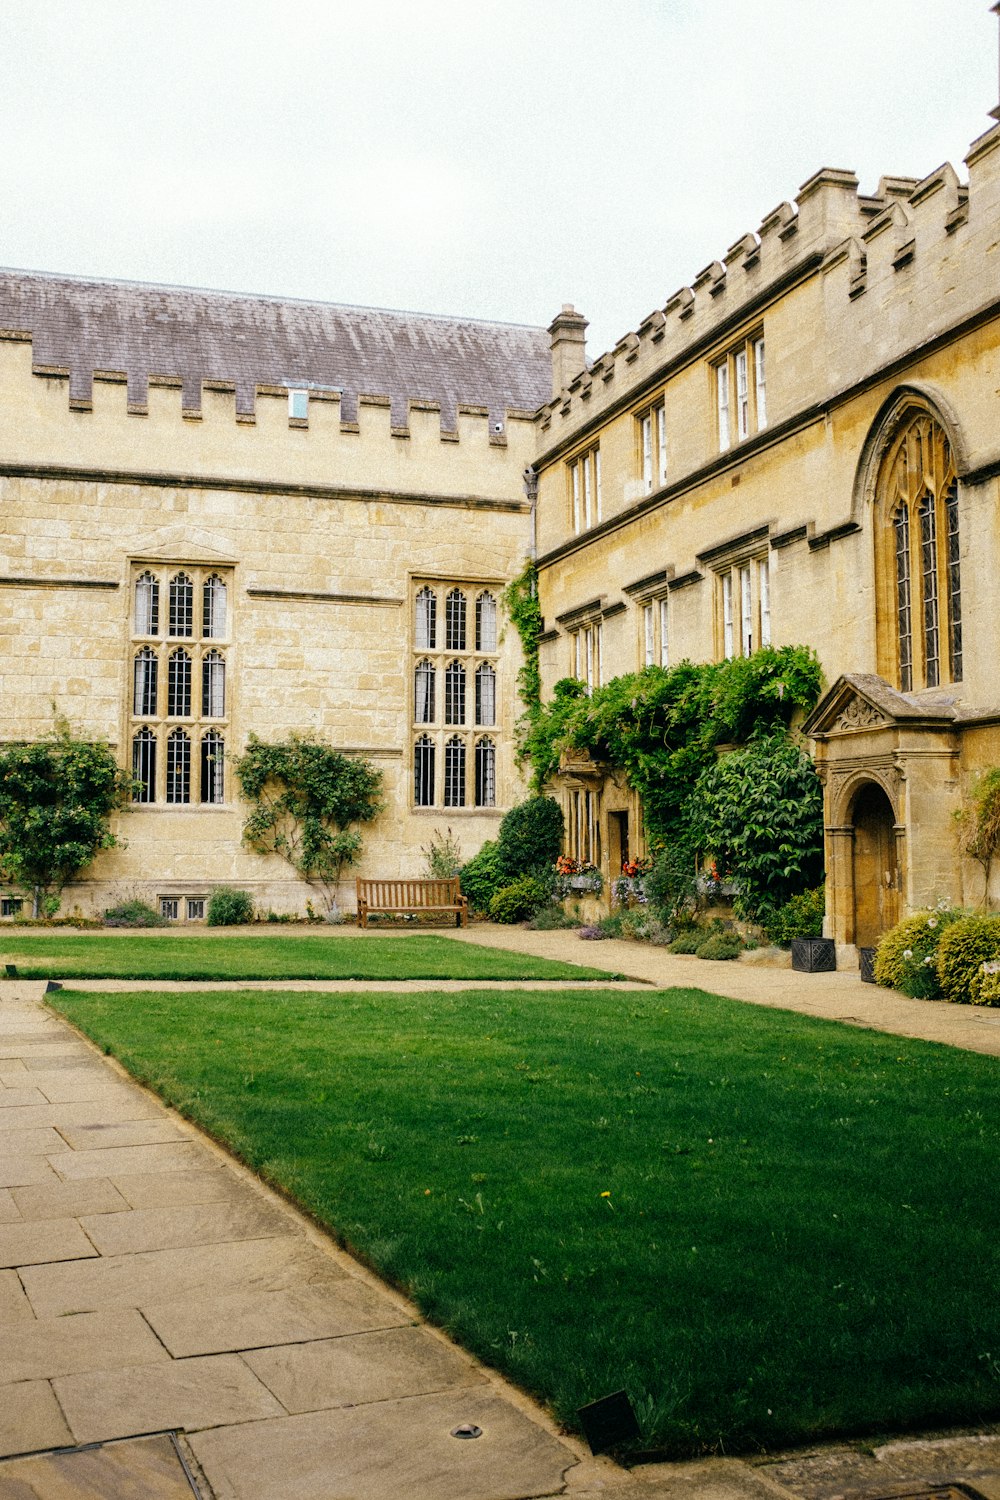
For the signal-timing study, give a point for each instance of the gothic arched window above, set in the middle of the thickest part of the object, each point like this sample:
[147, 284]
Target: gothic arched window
[423, 692]
[920, 593]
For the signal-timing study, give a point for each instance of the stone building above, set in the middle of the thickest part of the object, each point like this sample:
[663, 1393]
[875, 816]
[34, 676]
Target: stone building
[227, 514]
[803, 446]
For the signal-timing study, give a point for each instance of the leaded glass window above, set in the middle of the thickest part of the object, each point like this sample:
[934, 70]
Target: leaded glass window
[454, 772]
[178, 766]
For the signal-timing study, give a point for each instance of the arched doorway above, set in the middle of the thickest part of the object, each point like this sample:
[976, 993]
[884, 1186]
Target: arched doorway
[876, 873]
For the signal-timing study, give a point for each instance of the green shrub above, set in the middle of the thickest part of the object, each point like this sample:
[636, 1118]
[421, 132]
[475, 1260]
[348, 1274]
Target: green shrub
[521, 899]
[228, 907]
[988, 987]
[759, 811]
[530, 838]
[670, 885]
[800, 917]
[442, 856]
[720, 945]
[133, 913]
[962, 950]
[552, 918]
[688, 942]
[480, 879]
[906, 958]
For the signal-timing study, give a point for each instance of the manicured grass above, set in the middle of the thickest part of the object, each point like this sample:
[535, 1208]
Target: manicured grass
[271, 956]
[766, 1227]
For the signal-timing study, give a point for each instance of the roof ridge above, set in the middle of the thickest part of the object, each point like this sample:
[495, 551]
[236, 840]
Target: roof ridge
[164, 286]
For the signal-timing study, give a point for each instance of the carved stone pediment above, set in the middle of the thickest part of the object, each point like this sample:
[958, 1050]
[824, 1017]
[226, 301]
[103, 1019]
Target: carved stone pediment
[857, 713]
[863, 703]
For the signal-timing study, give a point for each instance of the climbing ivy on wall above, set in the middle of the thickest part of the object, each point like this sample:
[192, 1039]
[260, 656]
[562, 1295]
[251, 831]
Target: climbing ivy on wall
[661, 726]
[520, 600]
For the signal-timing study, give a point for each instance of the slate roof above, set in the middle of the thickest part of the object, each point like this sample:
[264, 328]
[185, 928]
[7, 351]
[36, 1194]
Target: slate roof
[139, 330]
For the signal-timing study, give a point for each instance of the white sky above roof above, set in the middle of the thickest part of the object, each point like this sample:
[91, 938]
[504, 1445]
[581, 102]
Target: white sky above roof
[484, 158]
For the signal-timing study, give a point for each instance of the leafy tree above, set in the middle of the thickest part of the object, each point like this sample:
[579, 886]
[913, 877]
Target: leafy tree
[759, 811]
[984, 835]
[305, 797]
[56, 798]
[530, 838]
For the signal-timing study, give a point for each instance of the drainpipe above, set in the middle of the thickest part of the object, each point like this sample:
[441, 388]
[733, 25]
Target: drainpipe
[530, 477]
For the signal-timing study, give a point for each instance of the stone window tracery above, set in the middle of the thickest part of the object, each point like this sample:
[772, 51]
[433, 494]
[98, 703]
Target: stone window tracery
[169, 681]
[454, 767]
[918, 558]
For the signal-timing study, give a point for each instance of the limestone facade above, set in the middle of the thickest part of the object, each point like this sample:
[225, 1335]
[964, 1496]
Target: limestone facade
[315, 519]
[803, 446]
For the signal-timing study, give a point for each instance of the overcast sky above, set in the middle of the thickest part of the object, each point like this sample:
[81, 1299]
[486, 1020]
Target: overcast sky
[493, 158]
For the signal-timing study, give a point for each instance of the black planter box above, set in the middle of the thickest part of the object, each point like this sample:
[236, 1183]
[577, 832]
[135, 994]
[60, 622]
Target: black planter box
[814, 955]
[867, 966]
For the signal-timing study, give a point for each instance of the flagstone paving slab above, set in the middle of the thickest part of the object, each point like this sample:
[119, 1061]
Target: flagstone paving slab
[65, 1346]
[35, 1244]
[131, 1106]
[32, 1142]
[160, 1275]
[14, 1305]
[388, 1450]
[147, 1468]
[102, 1136]
[18, 1171]
[117, 1161]
[30, 1418]
[192, 1224]
[167, 1189]
[58, 1200]
[180, 1393]
[73, 1085]
[254, 1319]
[381, 1366]
[15, 1098]
[9, 1213]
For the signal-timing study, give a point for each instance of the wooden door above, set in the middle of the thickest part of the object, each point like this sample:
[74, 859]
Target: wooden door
[876, 877]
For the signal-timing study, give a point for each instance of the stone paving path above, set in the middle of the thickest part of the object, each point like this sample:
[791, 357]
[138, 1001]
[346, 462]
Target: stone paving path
[149, 1285]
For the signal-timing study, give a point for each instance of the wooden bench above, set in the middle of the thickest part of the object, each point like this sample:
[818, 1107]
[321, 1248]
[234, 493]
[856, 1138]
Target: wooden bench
[412, 897]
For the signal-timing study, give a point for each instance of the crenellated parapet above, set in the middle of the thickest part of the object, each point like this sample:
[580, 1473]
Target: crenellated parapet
[117, 379]
[208, 348]
[874, 251]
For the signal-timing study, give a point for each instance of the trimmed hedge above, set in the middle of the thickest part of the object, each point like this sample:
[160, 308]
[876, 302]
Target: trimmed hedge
[906, 959]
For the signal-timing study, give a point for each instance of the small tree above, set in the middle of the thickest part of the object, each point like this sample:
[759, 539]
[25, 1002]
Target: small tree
[759, 811]
[56, 799]
[984, 817]
[305, 796]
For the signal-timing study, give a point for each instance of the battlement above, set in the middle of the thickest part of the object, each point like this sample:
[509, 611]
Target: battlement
[145, 336]
[458, 430]
[864, 245]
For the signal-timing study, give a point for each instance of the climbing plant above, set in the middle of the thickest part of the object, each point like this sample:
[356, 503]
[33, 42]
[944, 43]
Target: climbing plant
[661, 726]
[520, 600]
[305, 796]
[56, 799]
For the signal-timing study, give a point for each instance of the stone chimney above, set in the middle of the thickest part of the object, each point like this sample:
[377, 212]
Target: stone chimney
[568, 332]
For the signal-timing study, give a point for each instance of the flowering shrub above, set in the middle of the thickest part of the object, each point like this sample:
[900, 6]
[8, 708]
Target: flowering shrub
[964, 948]
[906, 959]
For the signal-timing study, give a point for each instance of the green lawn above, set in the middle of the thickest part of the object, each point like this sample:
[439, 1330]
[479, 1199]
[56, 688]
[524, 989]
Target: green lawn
[271, 956]
[766, 1227]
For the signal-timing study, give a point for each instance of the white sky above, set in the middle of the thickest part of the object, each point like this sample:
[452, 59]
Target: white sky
[493, 158]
